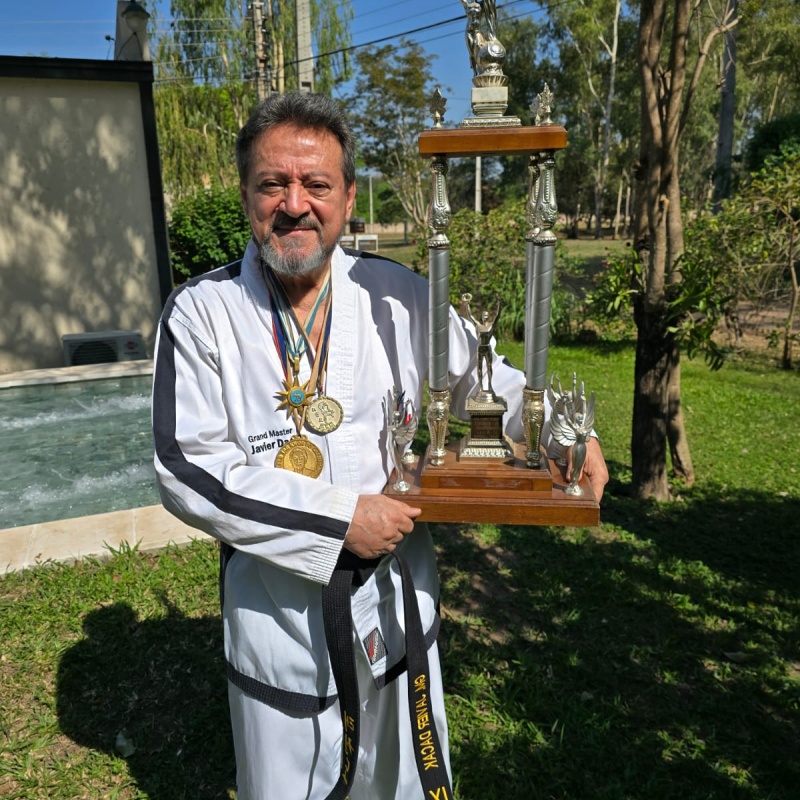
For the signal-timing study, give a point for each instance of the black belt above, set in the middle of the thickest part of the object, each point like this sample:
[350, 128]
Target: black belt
[353, 571]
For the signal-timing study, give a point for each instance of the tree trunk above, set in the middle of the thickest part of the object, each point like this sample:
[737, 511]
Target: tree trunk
[649, 429]
[657, 417]
[615, 233]
[722, 171]
[628, 228]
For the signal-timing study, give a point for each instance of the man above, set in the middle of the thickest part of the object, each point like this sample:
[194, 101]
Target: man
[321, 628]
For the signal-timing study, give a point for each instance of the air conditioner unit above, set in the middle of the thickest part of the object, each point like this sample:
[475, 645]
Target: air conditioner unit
[103, 347]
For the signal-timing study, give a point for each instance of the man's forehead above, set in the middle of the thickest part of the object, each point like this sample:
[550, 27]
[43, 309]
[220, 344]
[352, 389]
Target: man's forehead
[291, 137]
[290, 133]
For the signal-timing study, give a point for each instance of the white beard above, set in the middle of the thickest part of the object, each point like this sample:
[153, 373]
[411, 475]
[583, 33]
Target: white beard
[291, 264]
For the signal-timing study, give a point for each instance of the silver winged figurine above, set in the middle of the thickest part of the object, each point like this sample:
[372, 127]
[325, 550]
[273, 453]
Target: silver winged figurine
[558, 398]
[571, 424]
[403, 420]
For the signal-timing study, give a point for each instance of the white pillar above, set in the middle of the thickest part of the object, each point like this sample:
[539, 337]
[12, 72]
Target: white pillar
[478, 184]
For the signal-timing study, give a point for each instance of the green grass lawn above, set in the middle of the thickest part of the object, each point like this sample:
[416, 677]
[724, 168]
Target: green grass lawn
[655, 656]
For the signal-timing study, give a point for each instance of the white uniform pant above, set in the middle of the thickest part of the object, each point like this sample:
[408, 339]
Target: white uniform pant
[288, 756]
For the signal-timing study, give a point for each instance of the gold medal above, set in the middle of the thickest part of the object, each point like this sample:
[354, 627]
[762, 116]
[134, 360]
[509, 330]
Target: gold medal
[301, 456]
[324, 415]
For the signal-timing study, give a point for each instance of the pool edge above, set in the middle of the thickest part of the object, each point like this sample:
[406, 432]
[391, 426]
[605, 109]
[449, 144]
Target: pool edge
[69, 540]
[87, 372]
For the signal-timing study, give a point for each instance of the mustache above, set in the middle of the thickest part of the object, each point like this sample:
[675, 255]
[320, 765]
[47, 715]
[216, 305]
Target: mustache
[284, 221]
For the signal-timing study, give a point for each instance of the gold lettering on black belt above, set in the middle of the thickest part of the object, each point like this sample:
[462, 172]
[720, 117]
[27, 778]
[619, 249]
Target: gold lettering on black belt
[348, 748]
[427, 748]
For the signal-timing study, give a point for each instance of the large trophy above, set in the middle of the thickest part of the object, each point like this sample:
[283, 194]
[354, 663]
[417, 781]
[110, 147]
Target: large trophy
[484, 477]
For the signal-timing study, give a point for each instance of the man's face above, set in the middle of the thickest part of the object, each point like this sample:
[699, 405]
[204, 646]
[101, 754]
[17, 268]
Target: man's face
[295, 197]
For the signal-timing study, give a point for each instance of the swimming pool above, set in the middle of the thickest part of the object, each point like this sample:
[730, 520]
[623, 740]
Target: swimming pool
[75, 449]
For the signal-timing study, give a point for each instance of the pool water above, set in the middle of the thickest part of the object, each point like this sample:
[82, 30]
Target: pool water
[74, 449]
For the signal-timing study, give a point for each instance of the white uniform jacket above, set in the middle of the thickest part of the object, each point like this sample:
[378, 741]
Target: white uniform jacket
[217, 431]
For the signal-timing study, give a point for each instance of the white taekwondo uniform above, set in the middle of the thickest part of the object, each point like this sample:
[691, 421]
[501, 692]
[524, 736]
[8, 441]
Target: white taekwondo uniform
[217, 431]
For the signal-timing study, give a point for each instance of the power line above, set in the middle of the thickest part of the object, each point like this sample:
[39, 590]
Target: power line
[380, 40]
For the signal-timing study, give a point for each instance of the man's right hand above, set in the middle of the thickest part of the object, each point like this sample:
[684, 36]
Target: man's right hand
[379, 525]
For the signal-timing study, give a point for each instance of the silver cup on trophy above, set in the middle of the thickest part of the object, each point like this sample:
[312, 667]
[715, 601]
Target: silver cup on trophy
[402, 425]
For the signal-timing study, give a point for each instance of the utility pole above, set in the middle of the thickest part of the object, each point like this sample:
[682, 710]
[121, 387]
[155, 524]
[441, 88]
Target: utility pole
[262, 86]
[371, 217]
[305, 55]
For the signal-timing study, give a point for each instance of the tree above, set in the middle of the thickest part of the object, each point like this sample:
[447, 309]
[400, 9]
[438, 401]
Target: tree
[204, 60]
[769, 48]
[750, 250]
[331, 34]
[201, 96]
[769, 139]
[594, 39]
[775, 193]
[389, 109]
[668, 85]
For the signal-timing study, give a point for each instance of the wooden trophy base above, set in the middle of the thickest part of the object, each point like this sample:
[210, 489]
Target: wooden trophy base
[503, 491]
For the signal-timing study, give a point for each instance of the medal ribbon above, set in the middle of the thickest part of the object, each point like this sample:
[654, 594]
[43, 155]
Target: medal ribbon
[283, 316]
[284, 325]
[322, 348]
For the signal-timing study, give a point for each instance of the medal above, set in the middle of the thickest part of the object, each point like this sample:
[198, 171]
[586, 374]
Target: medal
[324, 415]
[301, 456]
[321, 414]
[294, 396]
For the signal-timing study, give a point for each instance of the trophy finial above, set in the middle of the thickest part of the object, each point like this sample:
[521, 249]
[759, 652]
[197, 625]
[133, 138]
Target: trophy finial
[544, 107]
[437, 108]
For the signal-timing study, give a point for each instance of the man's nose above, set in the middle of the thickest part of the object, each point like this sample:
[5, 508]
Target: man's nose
[295, 200]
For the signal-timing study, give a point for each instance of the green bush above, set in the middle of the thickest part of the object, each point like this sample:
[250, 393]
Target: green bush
[747, 252]
[770, 139]
[206, 230]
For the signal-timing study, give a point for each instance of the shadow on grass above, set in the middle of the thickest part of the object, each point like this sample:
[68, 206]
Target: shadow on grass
[161, 683]
[654, 657]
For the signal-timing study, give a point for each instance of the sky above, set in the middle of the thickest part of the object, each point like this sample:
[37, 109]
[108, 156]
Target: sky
[78, 29]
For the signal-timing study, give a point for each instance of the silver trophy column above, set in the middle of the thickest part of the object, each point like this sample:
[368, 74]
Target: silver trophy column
[439, 307]
[539, 267]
